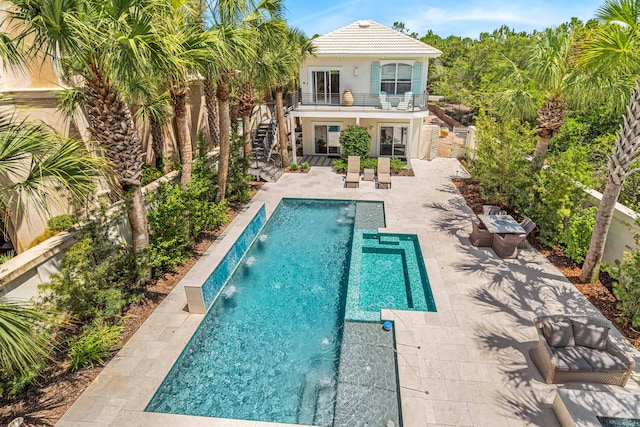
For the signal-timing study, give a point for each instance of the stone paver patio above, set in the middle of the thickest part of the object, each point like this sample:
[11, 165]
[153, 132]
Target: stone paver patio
[466, 364]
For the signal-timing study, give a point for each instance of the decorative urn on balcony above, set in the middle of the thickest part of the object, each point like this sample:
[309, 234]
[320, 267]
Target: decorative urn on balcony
[347, 98]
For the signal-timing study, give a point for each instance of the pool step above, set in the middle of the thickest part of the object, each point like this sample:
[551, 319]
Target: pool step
[317, 402]
[385, 239]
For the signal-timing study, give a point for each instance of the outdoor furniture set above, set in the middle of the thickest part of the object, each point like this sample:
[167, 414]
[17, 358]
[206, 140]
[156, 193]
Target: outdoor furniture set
[353, 173]
[500, 231]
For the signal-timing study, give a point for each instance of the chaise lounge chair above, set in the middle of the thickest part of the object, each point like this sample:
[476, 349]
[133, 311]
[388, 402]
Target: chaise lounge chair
[384, 104]
[353, 172]
[384, 172]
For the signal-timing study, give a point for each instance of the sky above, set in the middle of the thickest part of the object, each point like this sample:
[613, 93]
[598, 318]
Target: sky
[465, 18]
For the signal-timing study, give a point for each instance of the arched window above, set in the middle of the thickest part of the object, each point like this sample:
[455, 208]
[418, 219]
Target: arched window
[395, 78]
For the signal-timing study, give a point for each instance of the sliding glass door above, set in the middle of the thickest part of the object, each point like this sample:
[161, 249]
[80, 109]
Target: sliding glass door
[393, 140]
[326, 86]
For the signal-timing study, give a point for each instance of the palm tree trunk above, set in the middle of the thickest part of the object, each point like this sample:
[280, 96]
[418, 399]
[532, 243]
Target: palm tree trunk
[112, 127]
[542, 145]
[282, 132]
[625, 154]
[137, 214]
[157, 140]
[607, 207]
[179, 99]
[551, 117]
[246, 134]
[212, 112]
[222, 94]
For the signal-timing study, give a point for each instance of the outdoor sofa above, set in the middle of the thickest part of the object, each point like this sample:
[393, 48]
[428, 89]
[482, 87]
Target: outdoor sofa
[579, 349]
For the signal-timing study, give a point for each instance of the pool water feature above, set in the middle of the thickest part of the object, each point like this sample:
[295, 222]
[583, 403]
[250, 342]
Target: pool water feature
[387, 271]
[268, 348]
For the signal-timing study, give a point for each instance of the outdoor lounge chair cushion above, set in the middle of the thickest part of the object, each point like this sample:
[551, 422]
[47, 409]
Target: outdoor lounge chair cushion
[592, 336]
[384, 172]
[571, 359]
[601, 360]
[559, 334]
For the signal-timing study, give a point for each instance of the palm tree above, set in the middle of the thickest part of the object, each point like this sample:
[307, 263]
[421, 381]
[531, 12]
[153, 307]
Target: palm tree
[614, 50]
[278, 68]
[101, 42]
[235, 24]
[180, 45]
[550, 70]
[23, 346]
[33, 160]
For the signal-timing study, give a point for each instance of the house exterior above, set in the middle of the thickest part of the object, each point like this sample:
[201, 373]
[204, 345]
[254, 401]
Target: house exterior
[363, 74]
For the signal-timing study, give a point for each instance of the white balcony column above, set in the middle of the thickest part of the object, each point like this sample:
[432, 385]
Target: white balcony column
[357, 118]
[292, 126]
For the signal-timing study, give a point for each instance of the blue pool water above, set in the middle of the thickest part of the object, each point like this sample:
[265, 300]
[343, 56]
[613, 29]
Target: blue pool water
[268, 348]
[387, 271]
[618, 422]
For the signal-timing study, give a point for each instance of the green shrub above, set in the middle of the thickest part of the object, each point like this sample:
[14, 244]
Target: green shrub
[368, 164]
[576, 236]
[98, 276]
[626, 275]
[355, 141]
[293, 166]
[397, 165]
[150, 174]
[93, 346]
[60, 223]
[340, 166]
[12, 385]
[238, 187]
[176, 217]
[304, 165]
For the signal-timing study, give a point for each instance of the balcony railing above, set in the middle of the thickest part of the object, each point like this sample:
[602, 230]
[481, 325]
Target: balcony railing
[361, 102]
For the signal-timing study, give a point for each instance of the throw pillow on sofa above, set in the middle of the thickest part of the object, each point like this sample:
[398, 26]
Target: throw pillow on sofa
[592, 336]
[559, 334]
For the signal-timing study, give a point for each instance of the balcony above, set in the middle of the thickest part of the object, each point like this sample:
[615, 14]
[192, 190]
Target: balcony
[361, 102]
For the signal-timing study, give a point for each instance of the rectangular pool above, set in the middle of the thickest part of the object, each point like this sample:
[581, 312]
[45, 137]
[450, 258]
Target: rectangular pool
[268, 348]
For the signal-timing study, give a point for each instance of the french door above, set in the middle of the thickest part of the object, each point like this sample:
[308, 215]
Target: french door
[326, 86]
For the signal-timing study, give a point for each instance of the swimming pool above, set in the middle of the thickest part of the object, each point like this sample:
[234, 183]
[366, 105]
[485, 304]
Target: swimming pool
[269, 347]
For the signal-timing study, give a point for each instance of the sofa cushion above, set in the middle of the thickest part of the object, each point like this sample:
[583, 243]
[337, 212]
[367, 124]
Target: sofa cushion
[558, 334]
[570, 359]
[601, 360]
[589, 335]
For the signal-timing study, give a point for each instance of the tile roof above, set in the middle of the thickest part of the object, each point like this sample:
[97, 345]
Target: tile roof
[369, 38]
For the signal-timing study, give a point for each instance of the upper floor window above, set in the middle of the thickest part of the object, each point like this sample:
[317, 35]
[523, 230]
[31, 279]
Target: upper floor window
[395, 79]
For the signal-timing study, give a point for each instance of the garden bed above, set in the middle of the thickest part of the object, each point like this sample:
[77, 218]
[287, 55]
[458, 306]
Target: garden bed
[598, 293]
[55, 390]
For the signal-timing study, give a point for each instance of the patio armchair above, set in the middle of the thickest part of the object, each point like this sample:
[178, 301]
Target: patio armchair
[404, 104]
[384, 103]
[490, 210]
[528, 226]
[353, 172]
[507, 246]
[384, 172]
[573, 348]
[480, 237]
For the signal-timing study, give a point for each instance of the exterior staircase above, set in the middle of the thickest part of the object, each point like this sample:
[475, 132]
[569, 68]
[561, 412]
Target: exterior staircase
[266, 164]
